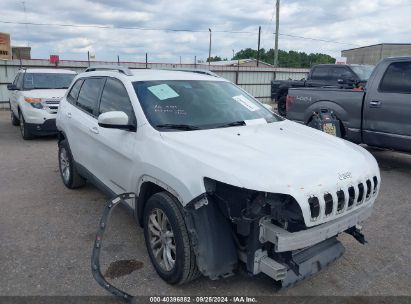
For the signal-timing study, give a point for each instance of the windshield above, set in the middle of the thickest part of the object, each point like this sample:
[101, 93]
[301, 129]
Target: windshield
[198, 104]
[363, 71]
[47, 81]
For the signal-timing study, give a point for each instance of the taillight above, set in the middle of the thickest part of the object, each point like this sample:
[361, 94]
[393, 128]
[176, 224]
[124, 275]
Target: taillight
[288, 102]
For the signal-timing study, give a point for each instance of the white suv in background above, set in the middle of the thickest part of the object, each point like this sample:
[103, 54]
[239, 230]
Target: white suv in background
[35, 95]
[220, 181]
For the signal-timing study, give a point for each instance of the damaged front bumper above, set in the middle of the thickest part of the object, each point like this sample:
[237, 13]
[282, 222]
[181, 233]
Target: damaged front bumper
[309, 250]
[266, 232]
[284, 240]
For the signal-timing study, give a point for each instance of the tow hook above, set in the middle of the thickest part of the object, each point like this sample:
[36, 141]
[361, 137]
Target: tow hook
[356, 233]
[95, 258]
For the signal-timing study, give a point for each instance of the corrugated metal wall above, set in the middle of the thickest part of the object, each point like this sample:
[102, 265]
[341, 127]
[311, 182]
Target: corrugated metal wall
[256, 81]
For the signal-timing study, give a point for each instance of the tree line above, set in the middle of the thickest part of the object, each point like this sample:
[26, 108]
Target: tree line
[290, 59]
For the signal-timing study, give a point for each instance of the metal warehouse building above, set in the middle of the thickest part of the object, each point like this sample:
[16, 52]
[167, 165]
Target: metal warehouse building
[373, 53]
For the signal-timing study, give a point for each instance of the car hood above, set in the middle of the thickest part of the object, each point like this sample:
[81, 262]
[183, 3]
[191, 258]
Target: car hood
[46, 94]
[278, 157]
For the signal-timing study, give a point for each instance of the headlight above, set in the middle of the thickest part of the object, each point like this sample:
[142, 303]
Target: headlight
[35, 102]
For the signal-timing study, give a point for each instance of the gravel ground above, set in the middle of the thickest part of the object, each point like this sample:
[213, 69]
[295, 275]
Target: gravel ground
[47, 232]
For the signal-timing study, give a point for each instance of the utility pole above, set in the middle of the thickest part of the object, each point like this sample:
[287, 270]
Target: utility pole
[258, 47]
[209, 49]
[277, 28]
[233, 55]
[25, 20]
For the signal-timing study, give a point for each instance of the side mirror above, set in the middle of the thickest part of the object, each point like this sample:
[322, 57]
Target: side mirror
[11, 87]
[115, 120]
[268, 107]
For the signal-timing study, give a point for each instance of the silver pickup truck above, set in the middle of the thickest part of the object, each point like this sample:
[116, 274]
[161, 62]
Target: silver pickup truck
[378, 115]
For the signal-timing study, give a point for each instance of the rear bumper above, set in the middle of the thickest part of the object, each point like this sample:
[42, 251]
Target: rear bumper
[46, 128]
[289, 241]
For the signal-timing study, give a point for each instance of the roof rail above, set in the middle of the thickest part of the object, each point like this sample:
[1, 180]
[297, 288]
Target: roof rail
[199, 71]
[119, 68]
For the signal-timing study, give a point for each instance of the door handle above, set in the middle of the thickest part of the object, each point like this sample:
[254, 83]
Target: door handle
[94, 130]
[375, 104]
[68, 114]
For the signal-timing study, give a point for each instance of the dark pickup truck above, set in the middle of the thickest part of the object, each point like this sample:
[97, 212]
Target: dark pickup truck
[338, 75]
[379, 115]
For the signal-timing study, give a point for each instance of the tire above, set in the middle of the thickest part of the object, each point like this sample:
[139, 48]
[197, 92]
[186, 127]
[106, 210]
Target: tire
[281, 105]
[14, 120]
[157, 235]
[25, 133]
[342, 129]
[68, 172]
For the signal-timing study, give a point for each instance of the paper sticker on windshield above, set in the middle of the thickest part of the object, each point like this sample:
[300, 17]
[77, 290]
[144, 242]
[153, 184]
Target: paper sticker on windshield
[163, 91]
[246, 103]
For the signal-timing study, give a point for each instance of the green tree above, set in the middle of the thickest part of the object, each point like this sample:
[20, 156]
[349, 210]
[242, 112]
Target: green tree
[215, 58]
[290, 59]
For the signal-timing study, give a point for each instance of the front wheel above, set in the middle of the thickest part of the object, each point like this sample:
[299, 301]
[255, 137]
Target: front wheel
[167, 240]
[14, 120]
[24, 130]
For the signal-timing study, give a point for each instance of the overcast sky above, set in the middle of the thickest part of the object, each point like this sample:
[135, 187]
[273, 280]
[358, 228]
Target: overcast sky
[353, 22]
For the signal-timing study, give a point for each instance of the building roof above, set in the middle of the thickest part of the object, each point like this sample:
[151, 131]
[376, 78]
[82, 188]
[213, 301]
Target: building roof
[366, 46]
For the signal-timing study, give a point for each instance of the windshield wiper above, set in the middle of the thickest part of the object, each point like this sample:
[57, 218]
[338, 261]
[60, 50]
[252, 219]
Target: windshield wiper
[178, 127]
[232, 124]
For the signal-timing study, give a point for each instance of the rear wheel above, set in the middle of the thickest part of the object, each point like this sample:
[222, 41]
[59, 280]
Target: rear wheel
[25, 133]
[167, 240]
[282, 110]
[68, 172]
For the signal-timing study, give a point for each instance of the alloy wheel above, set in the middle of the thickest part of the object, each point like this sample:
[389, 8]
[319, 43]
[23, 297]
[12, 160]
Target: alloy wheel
[64, 165]
[162, 239]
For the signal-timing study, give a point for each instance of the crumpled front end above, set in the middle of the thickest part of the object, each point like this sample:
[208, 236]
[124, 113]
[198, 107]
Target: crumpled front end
[268, 232]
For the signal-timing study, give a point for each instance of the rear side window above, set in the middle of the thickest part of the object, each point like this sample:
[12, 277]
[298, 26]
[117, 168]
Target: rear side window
[397, 78]
[115, 98]
[320, 73]
[340, 73]
[89, 94]
[75, 90]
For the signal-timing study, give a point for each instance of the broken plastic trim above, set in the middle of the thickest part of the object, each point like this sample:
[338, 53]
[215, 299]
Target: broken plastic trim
[95, 257]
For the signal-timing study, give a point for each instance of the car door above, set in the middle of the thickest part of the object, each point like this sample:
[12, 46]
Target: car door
[82, 123]
[387, 108]
[114, 161]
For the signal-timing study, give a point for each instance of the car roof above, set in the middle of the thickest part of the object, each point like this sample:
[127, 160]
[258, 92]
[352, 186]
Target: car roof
[153, 74]
[51, 71]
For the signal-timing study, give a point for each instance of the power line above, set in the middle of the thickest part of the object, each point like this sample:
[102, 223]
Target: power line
[163, 30]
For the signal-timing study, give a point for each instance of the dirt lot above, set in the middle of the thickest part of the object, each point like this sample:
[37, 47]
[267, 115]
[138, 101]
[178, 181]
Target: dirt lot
[47, 232]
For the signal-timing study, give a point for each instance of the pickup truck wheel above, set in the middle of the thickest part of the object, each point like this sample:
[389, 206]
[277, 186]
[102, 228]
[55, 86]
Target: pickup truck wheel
[25, 133]
[69, 175]
[281, 105]
[14, 120]
[167, 240]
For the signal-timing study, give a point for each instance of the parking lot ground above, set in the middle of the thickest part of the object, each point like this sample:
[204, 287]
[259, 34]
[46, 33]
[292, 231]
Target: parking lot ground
[47, 233]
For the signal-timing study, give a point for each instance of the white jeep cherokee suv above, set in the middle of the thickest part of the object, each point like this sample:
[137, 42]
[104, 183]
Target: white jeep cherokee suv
[220, 181]
[35, 95]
